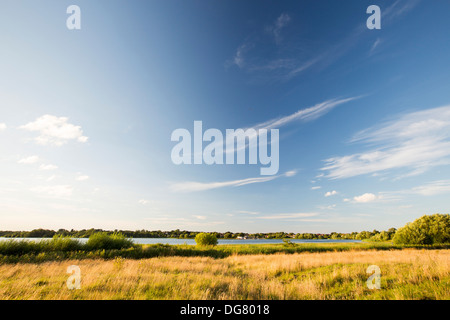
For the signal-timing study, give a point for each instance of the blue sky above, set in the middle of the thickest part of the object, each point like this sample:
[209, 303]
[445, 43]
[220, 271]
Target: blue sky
[86, 115]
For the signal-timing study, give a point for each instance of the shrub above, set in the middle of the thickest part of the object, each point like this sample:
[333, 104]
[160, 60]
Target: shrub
[61, 243]
[429, 229]
[102, 240]
[206, 239]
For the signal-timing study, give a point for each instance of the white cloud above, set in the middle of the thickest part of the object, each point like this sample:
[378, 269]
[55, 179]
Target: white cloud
[143, 202]
[331, 193]
[398, 8]
[200, 217]
[365, 198]
[29, 160]
[307, 114]
[316, 188]
[82, 178]
[193, 186]
[275, 29]
[239, 56]
[330, 207]
[2, 126]
[291, 173]
[47, 167]
[375, 45]
[288, 216]
[433, 188]
[248, 212]
[55, 130]
[415, 141]
[54, 191]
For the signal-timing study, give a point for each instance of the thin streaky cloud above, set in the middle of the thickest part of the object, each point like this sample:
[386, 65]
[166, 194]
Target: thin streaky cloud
[285, 68]
[375, 45]
[194, 186]
[431, 188]
[397, 9]
[415, 141]
[248, 212]
[275, 29]
[302, 115]
[308, 114]
[288, 216]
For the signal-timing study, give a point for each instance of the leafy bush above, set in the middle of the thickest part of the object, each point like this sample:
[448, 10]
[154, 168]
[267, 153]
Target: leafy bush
[102, 240]
[206, 239]
[429, 229]
[61, 243]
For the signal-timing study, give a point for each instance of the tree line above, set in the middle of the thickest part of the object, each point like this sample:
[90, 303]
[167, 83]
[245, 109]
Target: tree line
[428, 229]
[184, 234]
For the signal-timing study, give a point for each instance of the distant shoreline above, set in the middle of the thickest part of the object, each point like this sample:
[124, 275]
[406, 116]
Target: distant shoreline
[177, 241]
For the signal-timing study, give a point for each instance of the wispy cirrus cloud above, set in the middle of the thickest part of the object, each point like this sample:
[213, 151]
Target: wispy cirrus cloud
[275, 29]
[248, 212]
[194, 186]
[397, 9]
[249, 57]
[431, 188]
[288, 216]
[307, 114]
[266, 63]
[415, 141]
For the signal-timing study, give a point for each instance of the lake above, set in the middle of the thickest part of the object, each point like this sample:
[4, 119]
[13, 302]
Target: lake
[174, 241]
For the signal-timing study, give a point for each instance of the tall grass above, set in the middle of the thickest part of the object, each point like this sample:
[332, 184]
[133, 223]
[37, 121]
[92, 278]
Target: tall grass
[103, 246]
[405, 274]
[104, 241]
[57, 244]
[61, 247]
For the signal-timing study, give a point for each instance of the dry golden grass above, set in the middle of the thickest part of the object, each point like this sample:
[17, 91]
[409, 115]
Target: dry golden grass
[405, 274]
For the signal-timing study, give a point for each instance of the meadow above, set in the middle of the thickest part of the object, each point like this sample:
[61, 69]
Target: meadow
[324, 274]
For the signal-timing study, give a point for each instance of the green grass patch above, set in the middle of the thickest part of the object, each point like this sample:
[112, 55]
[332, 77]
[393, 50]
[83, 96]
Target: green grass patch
[103, 246]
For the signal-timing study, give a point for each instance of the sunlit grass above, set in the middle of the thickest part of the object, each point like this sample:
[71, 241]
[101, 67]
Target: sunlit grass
[405, 274]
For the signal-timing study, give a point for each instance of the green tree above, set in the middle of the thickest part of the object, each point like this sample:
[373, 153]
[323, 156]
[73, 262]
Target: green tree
[428, 229]
[206, 239]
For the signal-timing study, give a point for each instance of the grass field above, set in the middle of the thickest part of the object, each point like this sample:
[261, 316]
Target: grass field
[68, 249]
[405, 274]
